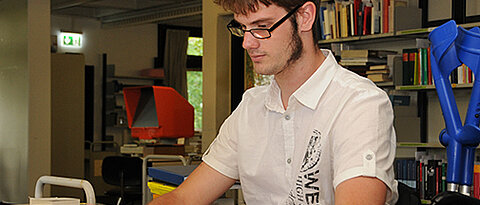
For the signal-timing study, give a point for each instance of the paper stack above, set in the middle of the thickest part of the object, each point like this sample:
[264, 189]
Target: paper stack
[54, 201]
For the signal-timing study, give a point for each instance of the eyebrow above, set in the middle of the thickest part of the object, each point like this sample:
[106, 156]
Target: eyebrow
[258, 21]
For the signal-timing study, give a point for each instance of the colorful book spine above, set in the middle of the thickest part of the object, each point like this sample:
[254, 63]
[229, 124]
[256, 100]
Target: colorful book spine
[476, 181]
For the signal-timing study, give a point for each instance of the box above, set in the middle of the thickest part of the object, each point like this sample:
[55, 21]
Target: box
[405, 111]
[407, 129]
[153, 72]
[407, 18]
[157, 111]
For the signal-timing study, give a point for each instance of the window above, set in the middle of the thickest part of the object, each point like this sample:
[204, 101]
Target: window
[195, 79]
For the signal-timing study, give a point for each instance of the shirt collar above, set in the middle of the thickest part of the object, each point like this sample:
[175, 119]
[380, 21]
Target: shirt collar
[308, 93]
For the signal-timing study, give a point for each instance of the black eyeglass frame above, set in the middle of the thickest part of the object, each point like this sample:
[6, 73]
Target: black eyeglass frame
[234, 27]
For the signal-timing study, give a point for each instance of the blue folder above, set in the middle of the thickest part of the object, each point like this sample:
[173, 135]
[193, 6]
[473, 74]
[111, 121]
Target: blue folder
[171, 174]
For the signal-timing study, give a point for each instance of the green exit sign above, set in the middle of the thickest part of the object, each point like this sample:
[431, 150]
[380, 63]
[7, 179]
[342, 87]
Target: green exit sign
[74, 40]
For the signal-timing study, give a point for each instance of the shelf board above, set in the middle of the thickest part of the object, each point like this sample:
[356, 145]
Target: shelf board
[356, 38]
[421, 32]
[430, 87]
[419, 145]
[385, 84]
[134, 77]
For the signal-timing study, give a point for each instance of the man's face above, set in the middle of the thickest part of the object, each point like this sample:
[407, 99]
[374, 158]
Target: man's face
[271, 56]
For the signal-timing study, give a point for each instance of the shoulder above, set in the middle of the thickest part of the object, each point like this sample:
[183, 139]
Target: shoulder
[255, 93]
[353, 85]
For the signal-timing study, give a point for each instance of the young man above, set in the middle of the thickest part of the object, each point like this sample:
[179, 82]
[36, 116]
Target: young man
[319, 134]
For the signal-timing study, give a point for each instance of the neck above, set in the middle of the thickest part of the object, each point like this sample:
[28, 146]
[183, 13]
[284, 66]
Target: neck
[292, 77]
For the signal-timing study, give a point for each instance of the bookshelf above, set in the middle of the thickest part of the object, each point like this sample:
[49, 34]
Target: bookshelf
[427, 101]
[431, 87]
[402, 34]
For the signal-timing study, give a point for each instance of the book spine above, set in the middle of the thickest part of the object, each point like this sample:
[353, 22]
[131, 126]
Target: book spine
[416, 72]
[343, 21]
[321, 23]
[424, 66]
[444, 176]
[356, 10]
[476, 181]
[385, 15]
[327, 24]
[405, 78]
[429, 67]
[391, 10]
[421, 191]
[337, 18]
[351, 19]
[367, 16]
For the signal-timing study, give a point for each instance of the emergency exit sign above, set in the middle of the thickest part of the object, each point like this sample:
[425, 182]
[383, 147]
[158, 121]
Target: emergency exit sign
[73, 40]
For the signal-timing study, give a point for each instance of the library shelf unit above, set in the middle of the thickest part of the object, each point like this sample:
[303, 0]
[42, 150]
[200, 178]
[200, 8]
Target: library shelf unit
[429, 111]
[409, 33]
[431, 87]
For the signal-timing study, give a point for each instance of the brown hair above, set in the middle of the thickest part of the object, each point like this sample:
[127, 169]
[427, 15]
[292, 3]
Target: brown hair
[245, 6]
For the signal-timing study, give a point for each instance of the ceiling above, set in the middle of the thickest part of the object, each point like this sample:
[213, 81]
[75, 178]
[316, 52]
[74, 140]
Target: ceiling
[117, 13]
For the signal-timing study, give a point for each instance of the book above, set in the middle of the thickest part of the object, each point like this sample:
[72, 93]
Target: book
[366, 53]
[376, 15]
[357, 10]
[327, 24]
[356, 63]
[424, 66]
[358, 69]
[408, 65]
[383, 71]
[367, 17]
[343, 21]
[379, 77]
[385, 16]
[476, 181]
[321, 22]
[379, 67]
[352, 19]
[368, 60]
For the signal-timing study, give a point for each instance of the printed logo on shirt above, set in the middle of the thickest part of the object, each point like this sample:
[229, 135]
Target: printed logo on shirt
[306, 189]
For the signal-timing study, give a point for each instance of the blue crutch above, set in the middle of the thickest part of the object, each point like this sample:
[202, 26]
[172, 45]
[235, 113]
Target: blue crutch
[451, 46]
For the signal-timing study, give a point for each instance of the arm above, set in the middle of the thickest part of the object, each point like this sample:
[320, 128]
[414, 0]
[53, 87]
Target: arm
[361, 190]
[203, 186]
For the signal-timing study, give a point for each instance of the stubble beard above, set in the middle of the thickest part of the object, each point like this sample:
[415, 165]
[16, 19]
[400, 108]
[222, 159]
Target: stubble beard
[295, 46]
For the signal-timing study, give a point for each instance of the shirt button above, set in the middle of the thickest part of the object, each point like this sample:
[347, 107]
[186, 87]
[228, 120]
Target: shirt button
[287, 117]
[289, 160]
[368, 157]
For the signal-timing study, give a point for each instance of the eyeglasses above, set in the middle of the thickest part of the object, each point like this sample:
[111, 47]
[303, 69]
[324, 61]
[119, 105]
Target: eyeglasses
[261, 33]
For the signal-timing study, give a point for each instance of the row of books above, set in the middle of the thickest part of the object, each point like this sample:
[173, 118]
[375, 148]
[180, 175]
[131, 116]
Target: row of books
[379, 73]
[426, 176]
[368, 63]
[338, 19]
[417, 69]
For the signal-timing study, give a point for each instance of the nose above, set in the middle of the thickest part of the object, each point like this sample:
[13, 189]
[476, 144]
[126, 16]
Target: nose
[249, 42]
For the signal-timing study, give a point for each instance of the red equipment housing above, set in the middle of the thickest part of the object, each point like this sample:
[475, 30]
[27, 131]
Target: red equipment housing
[158, 112]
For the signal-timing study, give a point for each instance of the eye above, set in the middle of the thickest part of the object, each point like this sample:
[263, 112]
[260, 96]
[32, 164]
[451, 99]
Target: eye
[262, 26]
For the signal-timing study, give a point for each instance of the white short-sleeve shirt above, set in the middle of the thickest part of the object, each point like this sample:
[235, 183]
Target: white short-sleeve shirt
[337, 126]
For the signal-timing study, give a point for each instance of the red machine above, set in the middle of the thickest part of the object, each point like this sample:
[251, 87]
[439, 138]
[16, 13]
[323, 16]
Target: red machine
[156, 112]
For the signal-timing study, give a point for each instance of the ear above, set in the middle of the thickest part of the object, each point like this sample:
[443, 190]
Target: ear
[306, 16]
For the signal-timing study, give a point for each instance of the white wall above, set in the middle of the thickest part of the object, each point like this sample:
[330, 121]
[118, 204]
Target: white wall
[13, 99]
[129, 48]
[24, 104]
